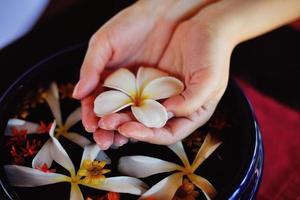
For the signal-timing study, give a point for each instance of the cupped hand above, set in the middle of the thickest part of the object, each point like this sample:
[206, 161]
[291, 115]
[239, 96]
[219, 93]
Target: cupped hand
[194, 51]
[137, 35]
[199, 54]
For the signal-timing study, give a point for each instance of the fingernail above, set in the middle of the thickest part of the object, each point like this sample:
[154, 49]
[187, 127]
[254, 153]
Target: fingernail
[75, 91]
[90, 129]
[121, 131]
[170, 114]
[110, 127]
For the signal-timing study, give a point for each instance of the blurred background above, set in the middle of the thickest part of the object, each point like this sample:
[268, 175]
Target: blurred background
[268, 68]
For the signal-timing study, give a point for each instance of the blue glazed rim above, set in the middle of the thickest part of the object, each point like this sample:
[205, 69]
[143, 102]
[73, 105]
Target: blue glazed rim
[249, 185]
[255, 171]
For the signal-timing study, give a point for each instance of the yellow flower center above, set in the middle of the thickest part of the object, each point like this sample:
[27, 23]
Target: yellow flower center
[61, 130]
[75, 179]
[138, 99]
[93, 172]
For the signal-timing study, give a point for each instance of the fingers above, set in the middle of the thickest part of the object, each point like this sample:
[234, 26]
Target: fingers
[104, 138]
[98, 54]
[176, 129]
[89, 119]
[114, 120]
[120, 140]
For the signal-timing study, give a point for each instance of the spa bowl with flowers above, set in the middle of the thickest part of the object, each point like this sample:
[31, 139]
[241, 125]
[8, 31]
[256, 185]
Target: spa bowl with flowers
[47, 154]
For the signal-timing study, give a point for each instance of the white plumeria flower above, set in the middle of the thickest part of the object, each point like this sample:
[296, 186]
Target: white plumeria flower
[140, 92]
[144, 166]
[21, 176]
[52, 98]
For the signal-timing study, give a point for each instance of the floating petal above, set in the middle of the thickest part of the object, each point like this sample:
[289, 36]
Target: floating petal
[43, 156]
[166, 188]
[73, 118]
[21, 176]
[210, 144]
[77, 139]
[20, 124]
[92, 152]
[121, 184]
[111, 101]
[203, 184]
[52, 98]
[58, 153]
[144, 166]
[151, 113]
[75, 193]
[178, 149]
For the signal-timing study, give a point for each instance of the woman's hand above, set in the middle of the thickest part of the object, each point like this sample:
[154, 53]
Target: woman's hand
[199, 54]
[137, 35]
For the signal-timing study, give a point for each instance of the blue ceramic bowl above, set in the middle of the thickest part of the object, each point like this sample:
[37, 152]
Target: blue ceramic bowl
[238, 177]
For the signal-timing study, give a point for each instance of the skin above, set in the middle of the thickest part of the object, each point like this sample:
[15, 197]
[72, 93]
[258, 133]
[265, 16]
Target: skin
[192, 41]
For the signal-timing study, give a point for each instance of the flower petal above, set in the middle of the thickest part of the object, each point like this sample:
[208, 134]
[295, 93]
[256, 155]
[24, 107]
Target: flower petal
[76, 193]
[147, 74]
[52, 129]
[166, 188]
[110, 102]
[210, 144]
[58, 153]
[21, 176]
[121, 184]
[123, 80]
[77, 139]
[52, 98]
[92, 152]
[151, 113]
[162, 88]
[73, 118]
[21, 124]
[203, 184]
[60, 156]
[144, 166]
[178, 149]
[43, 156]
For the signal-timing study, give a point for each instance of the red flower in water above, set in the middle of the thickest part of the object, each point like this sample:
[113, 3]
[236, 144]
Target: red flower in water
[108, 196]
[18, 136]
[31, 148]
[45, 168]
[150, 198]
[17, 158]
[44, 128]
[113, 196]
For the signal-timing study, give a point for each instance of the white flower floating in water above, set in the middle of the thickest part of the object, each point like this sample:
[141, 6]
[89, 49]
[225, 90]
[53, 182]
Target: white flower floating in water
[144, 166]
[90, 174]
[140, 92]
[52, 98]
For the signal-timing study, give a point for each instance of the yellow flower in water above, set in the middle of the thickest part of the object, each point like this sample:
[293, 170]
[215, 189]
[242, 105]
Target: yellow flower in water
[93, 172]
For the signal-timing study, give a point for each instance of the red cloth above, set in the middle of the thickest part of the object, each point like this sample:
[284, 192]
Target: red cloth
[280, 127]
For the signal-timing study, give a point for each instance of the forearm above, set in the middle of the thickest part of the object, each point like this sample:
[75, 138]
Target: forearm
[241, 20]
[174, 10]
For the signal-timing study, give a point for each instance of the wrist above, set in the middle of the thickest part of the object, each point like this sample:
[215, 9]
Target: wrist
[242, 20]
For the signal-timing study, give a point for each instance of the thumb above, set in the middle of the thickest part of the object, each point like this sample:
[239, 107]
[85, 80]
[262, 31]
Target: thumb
[98, 54]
